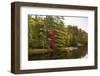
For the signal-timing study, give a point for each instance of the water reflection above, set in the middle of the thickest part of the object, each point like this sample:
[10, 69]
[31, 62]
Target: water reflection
[80, 52]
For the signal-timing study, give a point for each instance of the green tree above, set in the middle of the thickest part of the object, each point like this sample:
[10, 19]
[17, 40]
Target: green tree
[65, 36]
[72, 33]
[83, 37]
[36, 32]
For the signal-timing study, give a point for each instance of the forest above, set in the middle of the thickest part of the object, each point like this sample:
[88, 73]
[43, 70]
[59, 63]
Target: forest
[63, 36]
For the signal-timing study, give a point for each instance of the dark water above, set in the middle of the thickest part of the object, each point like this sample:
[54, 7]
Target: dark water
[79, 53]
[59, 54]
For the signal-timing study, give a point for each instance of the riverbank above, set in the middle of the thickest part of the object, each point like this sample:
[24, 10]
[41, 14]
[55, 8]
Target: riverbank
[40, 51]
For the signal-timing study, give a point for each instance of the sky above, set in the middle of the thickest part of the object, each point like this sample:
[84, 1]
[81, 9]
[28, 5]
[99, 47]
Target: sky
[81, 22]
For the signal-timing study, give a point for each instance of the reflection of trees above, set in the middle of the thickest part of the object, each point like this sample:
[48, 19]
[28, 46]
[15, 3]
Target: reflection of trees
[38, 27]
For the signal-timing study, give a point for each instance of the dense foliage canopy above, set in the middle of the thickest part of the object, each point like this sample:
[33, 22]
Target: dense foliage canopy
[38, 27]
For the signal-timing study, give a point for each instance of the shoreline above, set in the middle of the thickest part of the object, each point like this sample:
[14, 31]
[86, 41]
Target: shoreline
[43, 50]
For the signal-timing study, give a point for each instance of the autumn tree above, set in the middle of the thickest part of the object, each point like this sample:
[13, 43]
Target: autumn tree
[38, 27]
